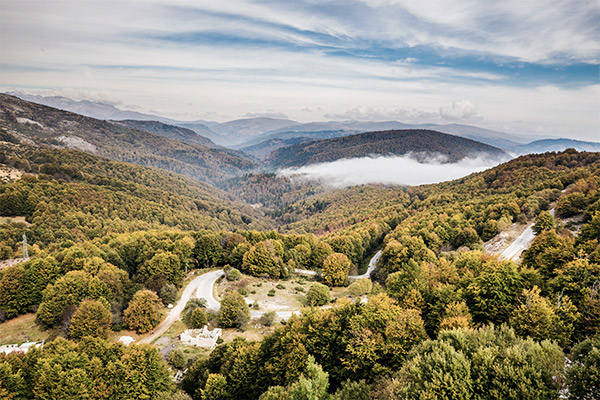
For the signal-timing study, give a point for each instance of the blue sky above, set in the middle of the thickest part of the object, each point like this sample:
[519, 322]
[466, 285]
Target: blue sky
[520, 66]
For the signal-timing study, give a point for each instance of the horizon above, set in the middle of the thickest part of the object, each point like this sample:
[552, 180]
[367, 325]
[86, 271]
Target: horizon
[493, 66]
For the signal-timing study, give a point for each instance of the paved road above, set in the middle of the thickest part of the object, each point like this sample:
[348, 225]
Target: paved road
[201, 286]
[521, 243]
[372, 266]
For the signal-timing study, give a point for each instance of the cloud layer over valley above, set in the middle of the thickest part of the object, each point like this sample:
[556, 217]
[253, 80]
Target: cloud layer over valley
[397, 170]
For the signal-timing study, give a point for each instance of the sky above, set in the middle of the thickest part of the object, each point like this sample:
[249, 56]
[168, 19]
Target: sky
[517, 66]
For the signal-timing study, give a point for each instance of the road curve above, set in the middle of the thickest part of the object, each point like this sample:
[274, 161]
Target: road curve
[372, 266]
[201, 286]
[521, 243]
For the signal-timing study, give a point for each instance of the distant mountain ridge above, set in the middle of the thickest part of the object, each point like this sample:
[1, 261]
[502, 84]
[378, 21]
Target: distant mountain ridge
[169, 131]
[275, 133]
[421, 143]
[37, 124]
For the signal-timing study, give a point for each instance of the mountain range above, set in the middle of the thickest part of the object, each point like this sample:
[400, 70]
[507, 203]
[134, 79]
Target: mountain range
[260, 135]
[37, 124]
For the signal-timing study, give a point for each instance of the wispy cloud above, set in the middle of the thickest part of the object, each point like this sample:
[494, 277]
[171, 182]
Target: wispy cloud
[490, 62]
[401, 170]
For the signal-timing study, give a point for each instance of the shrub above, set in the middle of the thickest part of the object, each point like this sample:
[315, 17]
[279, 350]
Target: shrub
[267, 319]
[233, 274]
[318, 295]
[360, 287]
[234, 311]
[176, 359]
[271, 293]
[168, 294]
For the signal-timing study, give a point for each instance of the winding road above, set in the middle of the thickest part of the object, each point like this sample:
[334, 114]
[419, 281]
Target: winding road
[203, 287]
[521, 243]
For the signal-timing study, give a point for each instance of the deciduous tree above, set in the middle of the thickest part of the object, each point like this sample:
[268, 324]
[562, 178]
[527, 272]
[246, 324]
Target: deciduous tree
[143, 312]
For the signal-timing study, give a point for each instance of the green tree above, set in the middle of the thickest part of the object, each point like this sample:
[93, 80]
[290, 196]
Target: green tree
[67, 291]
[163, 263]
[215, 388]
[208, 250]
[487, 363]
[265, 259]
[537, 318]
[351, 390]
[12, 384]
[197, 318]
[310, 386]
[234, 311]
[493, 293]
[143, 312]
[543, 222]
[548, 252]
[318, 295]
[176, 359]
[168, 294]
[335, 269]
[397, 254]
[436, 370]
[92, 318]
[583, 377]
[381, 336]
[408, 277]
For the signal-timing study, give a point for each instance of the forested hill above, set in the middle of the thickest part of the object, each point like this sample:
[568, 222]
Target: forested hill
[68, 195]
[394, 142]
[46, 126]
[168, 131]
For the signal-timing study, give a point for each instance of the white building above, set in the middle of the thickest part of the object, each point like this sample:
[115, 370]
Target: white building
[201, 337]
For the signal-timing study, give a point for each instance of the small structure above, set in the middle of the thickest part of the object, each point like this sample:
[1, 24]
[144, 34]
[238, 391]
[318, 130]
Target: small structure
[22, 348]
[165, 352]
[126, 340]
[201, 337]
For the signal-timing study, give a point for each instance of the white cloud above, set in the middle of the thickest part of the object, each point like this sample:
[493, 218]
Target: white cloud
[402, 170]
[108, 51]
[364, 113]
[267, 114]
[462, 110]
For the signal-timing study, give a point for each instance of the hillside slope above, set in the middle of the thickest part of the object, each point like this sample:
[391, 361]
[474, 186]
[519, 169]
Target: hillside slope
[396, 142]
[166, 130]
[41, 125]
[71, 195]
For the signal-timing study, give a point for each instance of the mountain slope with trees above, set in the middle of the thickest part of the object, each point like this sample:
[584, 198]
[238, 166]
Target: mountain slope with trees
[72, 195]
[421, 143]
[168, 131]
[41, 125]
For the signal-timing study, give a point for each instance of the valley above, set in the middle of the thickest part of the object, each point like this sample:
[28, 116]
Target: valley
[291, 270]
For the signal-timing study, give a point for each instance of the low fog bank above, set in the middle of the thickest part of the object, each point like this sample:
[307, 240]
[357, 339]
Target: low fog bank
[396, 170]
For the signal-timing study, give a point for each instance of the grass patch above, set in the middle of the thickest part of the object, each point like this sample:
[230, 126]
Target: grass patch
[24, 329]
